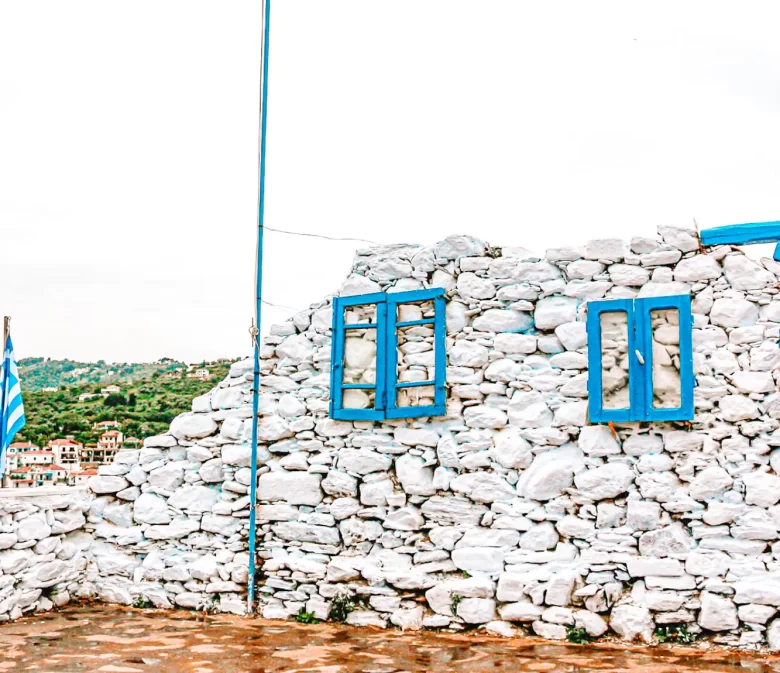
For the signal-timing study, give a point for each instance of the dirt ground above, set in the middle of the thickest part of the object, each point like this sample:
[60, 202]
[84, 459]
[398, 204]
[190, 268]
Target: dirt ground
[125, 640]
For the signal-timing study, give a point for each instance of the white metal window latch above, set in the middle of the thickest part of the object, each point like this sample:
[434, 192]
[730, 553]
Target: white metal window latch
[639, 357]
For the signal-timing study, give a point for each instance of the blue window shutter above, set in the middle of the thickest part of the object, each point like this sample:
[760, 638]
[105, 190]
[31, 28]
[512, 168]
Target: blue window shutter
[439, 407]
[644, 307]
[596, 411]
[337, 385]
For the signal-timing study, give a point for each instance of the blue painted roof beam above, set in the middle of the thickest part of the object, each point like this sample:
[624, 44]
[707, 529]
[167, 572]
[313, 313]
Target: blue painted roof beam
[742, 234]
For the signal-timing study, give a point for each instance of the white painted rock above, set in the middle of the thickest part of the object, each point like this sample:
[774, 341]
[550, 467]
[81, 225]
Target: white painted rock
[745, 274]
[606, 481]
[717, 613]
[415, 478]
[294, 488]
[554, 311]
[632, 622]
[763, 489]
[151, 508]
[733, 313]
[476, 610]
[193, 426]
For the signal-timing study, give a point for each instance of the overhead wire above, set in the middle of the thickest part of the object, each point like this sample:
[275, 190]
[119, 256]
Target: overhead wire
[323, 236]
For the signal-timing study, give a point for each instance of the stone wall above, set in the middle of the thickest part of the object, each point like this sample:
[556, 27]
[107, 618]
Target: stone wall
[511, 510]
[43, 550]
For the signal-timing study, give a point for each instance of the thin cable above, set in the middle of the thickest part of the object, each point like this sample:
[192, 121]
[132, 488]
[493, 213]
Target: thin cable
[327, 238]
[281, 306]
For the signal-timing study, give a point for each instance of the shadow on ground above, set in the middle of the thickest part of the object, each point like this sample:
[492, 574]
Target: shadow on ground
[123, 640]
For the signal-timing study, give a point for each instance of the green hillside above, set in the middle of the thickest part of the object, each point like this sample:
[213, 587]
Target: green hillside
[40, 373]
[145, 406]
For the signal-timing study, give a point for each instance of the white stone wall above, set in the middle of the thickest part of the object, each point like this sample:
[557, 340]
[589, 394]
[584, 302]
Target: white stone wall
[509, 510]
[42, 551]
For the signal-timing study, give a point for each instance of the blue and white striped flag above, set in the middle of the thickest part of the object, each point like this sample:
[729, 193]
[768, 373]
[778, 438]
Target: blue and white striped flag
[11, 408]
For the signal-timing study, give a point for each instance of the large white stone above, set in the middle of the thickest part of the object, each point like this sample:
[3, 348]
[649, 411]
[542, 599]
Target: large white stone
[763, 489]
[529, 410]
[294, 488]
[717, 613]
[150, 508]
[440, 596]
[606, 481]
[597, 441]
[551, 473]
[631, 622]
[671, 541]
[414, 476]
[454, 247]
[102, 485]
[483, 486]
[697, 268]
[733, 313]
[196, 499]
[476, 610]
[745, 274]
[484, 416]
[511, 344]
[735, 408]
[487, 560]
[710, 482]
[193, 426]
[471, 286]
[363, 461]
[554, 311]
[503, 320]
[469, 354]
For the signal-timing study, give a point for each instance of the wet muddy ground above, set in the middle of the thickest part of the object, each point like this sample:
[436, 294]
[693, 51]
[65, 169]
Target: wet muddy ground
[124, 640]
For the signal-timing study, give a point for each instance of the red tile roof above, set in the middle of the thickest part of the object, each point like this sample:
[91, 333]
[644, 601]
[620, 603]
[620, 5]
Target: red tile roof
[56, 467]
[64, 442]
[23, 445]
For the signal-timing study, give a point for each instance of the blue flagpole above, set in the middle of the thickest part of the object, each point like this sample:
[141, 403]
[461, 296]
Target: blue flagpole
[258, 306]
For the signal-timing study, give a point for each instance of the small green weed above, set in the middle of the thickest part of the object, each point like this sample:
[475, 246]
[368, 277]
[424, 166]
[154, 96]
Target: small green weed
[675, 633]
[142, 602]
[578, 636]
[304, 617]
[465, 574]
[340, 607]
[455, 600]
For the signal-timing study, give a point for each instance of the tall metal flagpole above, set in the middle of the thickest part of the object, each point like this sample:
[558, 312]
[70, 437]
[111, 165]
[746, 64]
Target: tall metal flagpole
[258, 303]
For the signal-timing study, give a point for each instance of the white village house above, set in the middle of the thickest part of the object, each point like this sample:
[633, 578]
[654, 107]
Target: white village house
[582, 439]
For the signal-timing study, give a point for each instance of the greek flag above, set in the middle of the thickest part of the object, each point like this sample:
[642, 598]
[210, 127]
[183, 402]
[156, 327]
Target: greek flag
[11, 408]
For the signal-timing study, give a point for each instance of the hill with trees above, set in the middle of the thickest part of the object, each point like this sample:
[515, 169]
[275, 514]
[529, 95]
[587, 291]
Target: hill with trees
[151, 395]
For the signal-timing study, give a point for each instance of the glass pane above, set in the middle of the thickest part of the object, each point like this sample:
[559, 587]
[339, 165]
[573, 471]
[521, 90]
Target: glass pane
[667, 385]
[359, 364]
[358, 399]
[614, 360]
[419, 396]
[360, 315]
[420, 311]
[416, 354]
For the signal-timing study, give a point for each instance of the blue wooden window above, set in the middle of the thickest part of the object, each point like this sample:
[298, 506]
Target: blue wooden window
[388, 358]
[640, 359]
[741, 234]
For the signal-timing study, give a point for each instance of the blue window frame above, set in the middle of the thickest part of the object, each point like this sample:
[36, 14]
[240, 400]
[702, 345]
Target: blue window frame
[389, 388]
[640, 359]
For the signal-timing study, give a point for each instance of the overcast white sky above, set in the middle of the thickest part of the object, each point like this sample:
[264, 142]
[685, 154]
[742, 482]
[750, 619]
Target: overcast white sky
[128, 141]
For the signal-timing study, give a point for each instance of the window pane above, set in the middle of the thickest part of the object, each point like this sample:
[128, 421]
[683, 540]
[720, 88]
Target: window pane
[416, 353]
[358, 399]
[359, 364]
[418, 396]
[360, 315]
[667, 384]
[423, 310]
[614, 360]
